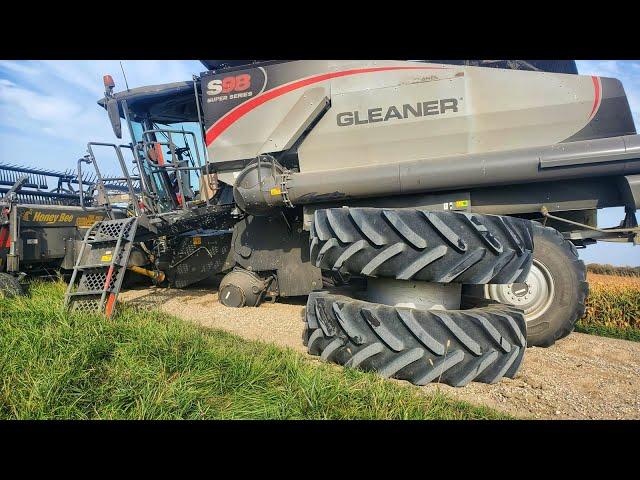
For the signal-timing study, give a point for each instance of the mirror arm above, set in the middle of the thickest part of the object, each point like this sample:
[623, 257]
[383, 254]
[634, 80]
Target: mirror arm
[114, 116]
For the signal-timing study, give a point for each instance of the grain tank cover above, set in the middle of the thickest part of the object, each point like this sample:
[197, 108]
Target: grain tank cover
[555, 66]
[340, 114]
[218, 64]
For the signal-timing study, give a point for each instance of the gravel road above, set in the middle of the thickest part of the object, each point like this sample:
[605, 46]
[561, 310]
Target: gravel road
[581, 377]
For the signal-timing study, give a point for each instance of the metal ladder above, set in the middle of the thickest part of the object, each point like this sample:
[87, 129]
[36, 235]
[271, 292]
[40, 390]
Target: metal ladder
[102, 263]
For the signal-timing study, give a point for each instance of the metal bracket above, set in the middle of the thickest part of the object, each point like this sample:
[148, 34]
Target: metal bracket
[633, 232]
[286, 176]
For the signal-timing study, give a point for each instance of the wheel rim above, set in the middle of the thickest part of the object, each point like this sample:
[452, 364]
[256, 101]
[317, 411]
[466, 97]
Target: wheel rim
[534, 296]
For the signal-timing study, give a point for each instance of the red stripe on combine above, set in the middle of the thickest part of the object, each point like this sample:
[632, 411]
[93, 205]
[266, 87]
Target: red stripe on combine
[3, 232]
[596, 97]
[225, 122]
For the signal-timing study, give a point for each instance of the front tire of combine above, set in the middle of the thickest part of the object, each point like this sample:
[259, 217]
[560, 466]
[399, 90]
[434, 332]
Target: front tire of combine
[410, 244]
[553, 294]
[454, 347]
[9, 286]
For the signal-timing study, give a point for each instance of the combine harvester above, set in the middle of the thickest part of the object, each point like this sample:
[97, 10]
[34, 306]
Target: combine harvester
[431, 212]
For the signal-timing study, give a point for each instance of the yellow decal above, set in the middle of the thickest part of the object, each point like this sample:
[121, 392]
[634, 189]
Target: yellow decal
[106, 258]
[197, 240]
[275, 191]
[87, 221]
[26, 215]
[45, 217]
[462, 204]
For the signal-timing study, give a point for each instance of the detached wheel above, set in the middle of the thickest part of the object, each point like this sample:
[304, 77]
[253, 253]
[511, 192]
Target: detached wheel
[10, 286]
[454, 347]
[553, 294]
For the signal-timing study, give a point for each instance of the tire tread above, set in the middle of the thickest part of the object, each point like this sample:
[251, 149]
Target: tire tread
[411, 244]
[455, 347]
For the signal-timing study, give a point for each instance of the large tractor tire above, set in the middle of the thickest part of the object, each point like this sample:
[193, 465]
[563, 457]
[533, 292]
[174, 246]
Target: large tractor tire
[9, 286]
[408, 244]
[481, 344]
[554, 293]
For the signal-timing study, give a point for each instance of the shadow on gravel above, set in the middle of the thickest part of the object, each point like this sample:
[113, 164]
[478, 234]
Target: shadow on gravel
[152, 300]
[158, 296]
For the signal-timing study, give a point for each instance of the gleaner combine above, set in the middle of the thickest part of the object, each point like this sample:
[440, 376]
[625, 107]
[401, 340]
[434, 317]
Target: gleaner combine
[431, 212]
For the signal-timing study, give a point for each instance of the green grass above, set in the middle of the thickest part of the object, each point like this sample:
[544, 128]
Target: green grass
[146, 365]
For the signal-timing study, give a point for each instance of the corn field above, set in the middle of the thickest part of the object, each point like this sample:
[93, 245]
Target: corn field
[613, 306]
[606, 269]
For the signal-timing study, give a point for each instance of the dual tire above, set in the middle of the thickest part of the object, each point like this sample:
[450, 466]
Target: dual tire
[409, 244]
[483, 344]
[443, 247]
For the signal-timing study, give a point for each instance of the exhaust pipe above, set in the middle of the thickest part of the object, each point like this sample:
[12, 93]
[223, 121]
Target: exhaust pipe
[264, 185]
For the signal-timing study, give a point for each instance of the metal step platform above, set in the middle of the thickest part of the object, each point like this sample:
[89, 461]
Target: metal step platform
[101, 266]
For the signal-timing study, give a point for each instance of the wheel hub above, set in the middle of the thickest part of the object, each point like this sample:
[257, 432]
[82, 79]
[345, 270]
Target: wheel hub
[409, 294]
[534, 295]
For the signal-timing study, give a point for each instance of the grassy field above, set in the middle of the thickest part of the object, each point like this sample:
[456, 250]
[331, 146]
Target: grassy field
[613, 307]
[151, 366]
[146, 365]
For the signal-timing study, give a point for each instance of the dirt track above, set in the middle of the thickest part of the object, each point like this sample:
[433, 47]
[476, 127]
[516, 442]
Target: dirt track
[581, 377]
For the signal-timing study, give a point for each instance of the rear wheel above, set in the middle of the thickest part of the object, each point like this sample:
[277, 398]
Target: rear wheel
[553, 294]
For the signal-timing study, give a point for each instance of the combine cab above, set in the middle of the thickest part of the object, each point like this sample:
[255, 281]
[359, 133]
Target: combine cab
[174, 224]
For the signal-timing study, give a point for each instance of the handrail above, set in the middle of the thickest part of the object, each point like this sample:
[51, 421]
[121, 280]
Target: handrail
[81, 188]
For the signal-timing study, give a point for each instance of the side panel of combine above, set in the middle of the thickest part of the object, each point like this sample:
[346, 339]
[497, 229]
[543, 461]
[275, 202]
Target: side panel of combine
[459, 111]
[391, 111]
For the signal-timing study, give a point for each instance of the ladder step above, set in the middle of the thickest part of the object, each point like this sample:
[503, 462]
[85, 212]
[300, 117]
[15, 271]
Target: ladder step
[88, 292]
[107, 240]
[113, 240]
[96, 266]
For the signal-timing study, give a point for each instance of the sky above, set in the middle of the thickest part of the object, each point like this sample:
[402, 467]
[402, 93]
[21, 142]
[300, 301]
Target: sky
[48, 113]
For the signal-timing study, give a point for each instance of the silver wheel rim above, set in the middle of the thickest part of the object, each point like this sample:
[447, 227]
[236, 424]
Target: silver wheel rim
[534, 295]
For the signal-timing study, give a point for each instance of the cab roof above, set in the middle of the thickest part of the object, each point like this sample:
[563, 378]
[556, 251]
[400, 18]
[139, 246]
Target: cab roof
[166, 103]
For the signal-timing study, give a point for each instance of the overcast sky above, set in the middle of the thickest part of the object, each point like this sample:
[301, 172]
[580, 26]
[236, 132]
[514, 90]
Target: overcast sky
[48, 112]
